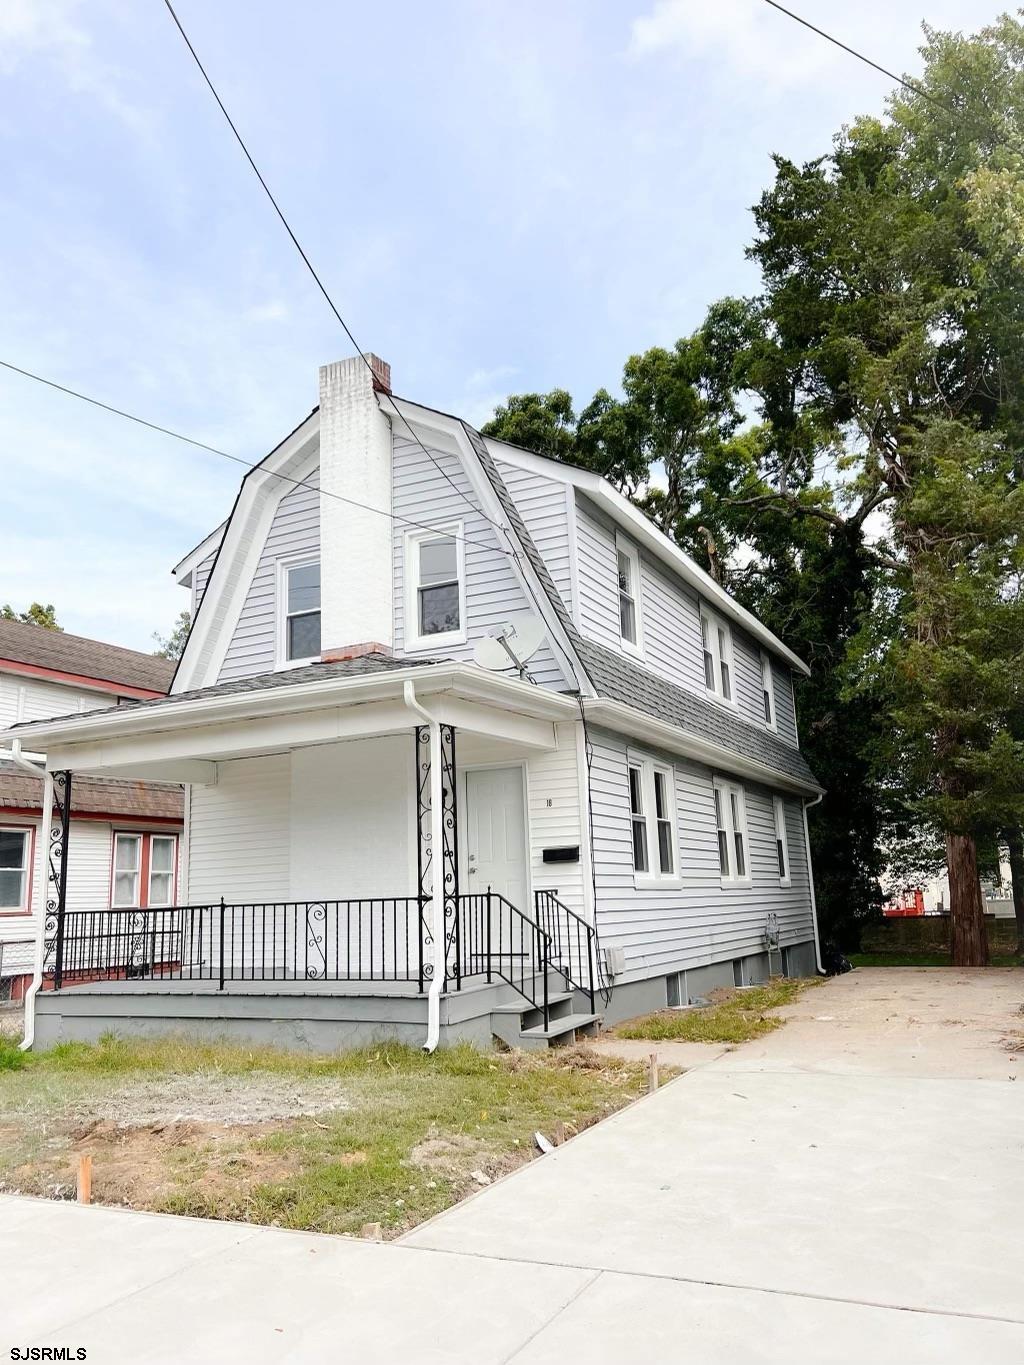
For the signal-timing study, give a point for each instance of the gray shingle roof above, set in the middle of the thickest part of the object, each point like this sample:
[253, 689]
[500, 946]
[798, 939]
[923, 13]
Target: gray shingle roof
[118, 797]
[619, 679]
[23, 643]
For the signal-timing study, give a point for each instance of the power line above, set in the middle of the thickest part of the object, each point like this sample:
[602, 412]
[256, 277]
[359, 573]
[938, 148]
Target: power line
[309, 264]
[237, 459]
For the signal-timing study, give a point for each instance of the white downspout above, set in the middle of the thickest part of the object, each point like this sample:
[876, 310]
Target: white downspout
[39, 887]
[437, 867]
[810, 882]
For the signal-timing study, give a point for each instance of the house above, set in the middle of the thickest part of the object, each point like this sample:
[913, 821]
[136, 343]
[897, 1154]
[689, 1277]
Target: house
[125, 834]
[385, 836]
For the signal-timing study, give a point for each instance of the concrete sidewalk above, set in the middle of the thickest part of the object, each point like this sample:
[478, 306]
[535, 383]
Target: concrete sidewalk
[846, 1189]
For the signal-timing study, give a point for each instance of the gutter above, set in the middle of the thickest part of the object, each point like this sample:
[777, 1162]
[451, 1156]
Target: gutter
[810, 882]
[437, 867]
[16, 757]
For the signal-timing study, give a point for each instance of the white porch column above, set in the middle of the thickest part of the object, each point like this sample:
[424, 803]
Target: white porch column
[356, 573]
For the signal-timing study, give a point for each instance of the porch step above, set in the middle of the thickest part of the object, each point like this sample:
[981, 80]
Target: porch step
[558, 1029]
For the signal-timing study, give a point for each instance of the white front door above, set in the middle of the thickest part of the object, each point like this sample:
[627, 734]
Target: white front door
[496, 834]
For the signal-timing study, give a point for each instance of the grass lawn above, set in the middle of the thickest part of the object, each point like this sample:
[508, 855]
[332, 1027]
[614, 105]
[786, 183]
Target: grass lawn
[923, 960]
[381, 1135]
[734, 1016]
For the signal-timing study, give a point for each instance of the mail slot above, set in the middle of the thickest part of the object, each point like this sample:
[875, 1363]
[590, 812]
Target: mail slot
[569, 854]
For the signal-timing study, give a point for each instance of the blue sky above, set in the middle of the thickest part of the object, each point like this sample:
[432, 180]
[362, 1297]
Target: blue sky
[500, 196]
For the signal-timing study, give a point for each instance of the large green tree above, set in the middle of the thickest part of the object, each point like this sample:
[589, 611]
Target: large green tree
[37, 614]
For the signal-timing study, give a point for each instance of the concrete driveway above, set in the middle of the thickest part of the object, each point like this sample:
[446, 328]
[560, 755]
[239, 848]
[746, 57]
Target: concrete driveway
[847, 1188]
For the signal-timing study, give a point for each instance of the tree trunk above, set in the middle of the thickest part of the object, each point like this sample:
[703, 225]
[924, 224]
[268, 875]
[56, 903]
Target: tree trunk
[1015, 844]
[969, 941]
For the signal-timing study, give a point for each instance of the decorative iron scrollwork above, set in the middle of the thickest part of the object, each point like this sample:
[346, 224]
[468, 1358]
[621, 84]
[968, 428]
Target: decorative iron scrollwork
[59, 818]
[316, 941]
[449, 853]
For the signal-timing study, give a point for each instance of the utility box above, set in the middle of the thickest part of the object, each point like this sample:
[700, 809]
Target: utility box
[614, 960]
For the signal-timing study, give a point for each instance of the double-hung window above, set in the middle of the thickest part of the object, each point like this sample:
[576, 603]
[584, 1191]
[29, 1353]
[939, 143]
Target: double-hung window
[652, 814]
[767, 691]
[435, 601]
[143, 872]
[15, 856]
[300, 611]
[716, 645]
[628, 572]
[731, 823]
[781, 839]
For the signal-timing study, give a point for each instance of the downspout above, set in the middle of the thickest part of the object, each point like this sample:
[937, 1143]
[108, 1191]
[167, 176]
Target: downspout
[810, 882]
[41, 875]
[437, 865]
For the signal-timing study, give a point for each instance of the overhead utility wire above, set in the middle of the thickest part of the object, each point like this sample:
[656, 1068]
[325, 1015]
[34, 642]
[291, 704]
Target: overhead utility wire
[236, 459]
[309, 264]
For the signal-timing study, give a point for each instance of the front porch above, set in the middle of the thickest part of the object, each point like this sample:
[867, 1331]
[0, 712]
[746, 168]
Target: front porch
[435, 842]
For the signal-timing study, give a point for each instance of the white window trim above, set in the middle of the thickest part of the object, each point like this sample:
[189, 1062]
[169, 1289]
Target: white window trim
[782, 838]
[625, 547]
[648, 766]
[726, 791]
[23, 907]
[284, 565]
[411, 571]
[768, 685]
[714, 624]
[136, 900]
[171, 872]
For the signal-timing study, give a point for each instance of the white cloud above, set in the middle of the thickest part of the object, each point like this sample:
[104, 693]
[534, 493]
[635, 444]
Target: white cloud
[273, 311]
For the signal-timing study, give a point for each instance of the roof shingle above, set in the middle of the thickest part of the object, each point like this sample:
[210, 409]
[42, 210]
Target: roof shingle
[38, 647]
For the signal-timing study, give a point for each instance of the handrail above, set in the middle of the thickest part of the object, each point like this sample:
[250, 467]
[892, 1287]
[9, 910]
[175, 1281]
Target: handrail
[572, 943]
[497, 939]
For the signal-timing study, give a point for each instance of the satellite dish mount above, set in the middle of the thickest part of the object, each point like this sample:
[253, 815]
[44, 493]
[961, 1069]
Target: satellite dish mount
[511, 645]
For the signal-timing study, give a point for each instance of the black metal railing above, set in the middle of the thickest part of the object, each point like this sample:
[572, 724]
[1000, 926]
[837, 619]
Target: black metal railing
[368, 939]
[496, 939]
[572, 947]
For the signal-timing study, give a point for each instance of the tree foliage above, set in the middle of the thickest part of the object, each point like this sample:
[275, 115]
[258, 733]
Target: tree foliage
[172, 646]
[36, 615]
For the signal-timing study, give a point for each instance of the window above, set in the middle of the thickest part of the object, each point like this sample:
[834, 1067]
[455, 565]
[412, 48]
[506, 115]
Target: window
[300, 597]
[767, 691]
[628, 571]
[652, 812]
[731, 824]
[716, 644]
[144, 868]
[781, 839]
[436, 588]
[15, 861]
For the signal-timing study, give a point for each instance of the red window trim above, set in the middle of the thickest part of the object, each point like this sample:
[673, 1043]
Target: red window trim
[30, 830]
[146, 835]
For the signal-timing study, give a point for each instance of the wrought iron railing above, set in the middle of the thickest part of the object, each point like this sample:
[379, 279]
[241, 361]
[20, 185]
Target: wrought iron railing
[496, 939]
[572, 946]
[368, 939]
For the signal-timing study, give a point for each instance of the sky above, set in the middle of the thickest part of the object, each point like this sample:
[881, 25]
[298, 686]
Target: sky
[500, 197]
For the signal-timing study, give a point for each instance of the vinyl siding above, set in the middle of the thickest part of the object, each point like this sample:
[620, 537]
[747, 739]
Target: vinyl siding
[544, 506]
[699, 921]
[295, 530]
[239, 845]
[23, 698]
[554, 806]
[200, 578]
[493, 591]
[597, 572]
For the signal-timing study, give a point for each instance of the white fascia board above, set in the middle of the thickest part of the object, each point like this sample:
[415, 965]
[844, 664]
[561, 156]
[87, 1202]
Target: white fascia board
[452, 428]
[465, 681]
[626, 515]
[184, 569]
[614, 715]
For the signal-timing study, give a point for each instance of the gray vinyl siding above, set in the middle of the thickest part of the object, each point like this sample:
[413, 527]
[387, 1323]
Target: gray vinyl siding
[700, 921]
[670, 618]
[597, 572]
[423, 495]
[543, 505]
[785, 705]
[200, 578]
[295, 530]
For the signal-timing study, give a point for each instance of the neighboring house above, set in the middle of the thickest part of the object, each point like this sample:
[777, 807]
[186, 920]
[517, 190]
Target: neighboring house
[382, 836]
[125, 835]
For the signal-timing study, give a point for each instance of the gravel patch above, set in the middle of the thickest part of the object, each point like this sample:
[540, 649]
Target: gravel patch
[212, 1099]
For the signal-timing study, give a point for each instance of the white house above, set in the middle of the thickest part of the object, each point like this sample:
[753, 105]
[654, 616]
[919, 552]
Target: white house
[383, 836]
[125, 835]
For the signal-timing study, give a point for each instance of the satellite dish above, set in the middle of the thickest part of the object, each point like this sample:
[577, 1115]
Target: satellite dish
[511, 644]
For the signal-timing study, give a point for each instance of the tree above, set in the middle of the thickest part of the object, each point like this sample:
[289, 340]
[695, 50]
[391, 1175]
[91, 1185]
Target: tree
[544, 422]
[37, 615]
[173, 645]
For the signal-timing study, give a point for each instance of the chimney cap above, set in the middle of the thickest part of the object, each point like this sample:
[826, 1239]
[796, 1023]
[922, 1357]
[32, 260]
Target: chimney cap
[381, 372]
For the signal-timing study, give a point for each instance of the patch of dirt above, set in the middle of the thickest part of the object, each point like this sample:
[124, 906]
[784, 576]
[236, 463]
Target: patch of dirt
[243, 1099]
[456, 1158]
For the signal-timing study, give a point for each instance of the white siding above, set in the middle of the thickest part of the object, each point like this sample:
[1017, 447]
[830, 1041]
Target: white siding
[671, 628]
[554, 804]
[598, 576]
[544, 506]
[697, 921]
[24, 698]
[200, 578]
[240, 833]
[294, 530]
[423, 494]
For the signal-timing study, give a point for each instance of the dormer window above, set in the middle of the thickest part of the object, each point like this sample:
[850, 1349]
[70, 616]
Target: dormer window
[435, 599]
[767, 690]
[716, 644]
[628, 571]
[299, 598]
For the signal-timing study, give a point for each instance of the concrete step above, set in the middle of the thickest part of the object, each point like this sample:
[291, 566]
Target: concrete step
[560, 1001]
[562, 1030]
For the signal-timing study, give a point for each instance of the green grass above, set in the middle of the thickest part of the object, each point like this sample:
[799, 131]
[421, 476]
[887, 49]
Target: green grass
[740, 1017]
[923, 960]
[415, 1129]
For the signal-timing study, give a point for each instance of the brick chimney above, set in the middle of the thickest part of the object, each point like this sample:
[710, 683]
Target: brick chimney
[356, 574]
